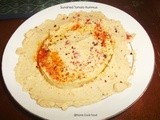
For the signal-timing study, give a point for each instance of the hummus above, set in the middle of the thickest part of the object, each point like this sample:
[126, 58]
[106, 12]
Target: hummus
[74, 60]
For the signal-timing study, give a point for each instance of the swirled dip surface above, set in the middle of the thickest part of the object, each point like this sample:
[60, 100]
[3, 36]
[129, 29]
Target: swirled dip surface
[74, 60]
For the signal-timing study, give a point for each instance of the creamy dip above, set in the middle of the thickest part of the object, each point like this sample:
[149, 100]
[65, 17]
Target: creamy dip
[74, 60]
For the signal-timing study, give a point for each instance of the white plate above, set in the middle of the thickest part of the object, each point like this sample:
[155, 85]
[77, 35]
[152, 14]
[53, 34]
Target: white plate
[106, 108]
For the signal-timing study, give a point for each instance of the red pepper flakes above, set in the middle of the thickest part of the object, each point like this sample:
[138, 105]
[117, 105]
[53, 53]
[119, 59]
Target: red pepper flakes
[100, 34]
[88, 21]
[52, 63]
[129, 36]
[76, 26]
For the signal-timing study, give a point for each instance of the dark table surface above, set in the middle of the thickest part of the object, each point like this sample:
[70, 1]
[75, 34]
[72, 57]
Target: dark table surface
[147, 13]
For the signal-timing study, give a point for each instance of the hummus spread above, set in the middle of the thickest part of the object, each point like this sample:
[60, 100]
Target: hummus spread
[74, 60]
